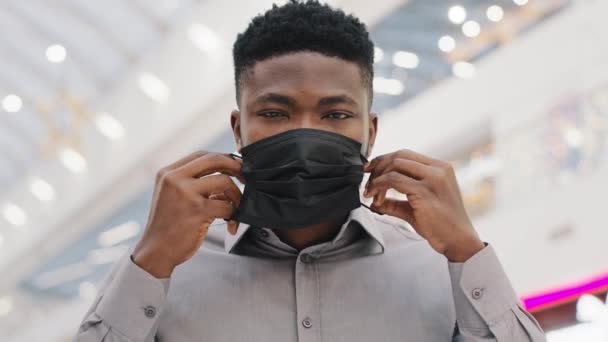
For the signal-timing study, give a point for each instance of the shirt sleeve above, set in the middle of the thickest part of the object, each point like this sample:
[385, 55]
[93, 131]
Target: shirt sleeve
[127, 307]
[487, 308]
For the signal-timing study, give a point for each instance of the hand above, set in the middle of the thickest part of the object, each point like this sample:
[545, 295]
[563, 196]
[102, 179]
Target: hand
[187, 199]
[434, 206]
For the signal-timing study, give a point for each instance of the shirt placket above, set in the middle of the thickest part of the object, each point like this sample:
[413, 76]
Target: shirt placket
[308, 310]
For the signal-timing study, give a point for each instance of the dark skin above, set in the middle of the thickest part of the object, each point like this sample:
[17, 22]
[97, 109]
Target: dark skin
[301, 90]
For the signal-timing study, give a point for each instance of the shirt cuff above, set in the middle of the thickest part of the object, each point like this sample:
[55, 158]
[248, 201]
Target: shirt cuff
[481, 289]
[133, 301]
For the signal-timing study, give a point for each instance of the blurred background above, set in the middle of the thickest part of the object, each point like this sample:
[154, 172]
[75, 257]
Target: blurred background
[96, 96]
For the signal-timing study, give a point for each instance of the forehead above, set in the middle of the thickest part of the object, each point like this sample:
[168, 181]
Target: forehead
[305, 73]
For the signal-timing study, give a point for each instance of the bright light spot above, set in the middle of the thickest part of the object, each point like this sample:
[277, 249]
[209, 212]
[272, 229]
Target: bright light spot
[446, 44]
[87, 290]
[109, 126]
[14, 214]
[72, 160]
[56, 53]
[406, 59]
[154, 87]
[471, 29]
[62, 275]
[495, 13]
[463, 70]
[42, 190]
[107, 255]
[520, 2]
[12, 103]
[6, 306]
[378, 54]
[574, 137]
[204, 38]
[591, 309]
[118, 234]
[457, 14]
[388, 86]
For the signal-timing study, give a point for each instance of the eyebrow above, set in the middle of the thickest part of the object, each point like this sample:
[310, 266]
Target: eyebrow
[332, 100]
[290, 102]
[275, 98]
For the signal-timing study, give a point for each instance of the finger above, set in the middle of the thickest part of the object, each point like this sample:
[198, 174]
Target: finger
[394, 180]
[402, 154]
[399, 161]
[397, 208]
[211, 163]
[185, 160]
[233, 227]
[217, 209]
[221, 187]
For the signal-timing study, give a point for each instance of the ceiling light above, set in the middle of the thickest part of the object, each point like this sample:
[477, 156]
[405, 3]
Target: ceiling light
[457, 14]
[107, 255]
[463, 70]
[446, 43]
[520, 2]
[72, 160]
[62, 275]
[42, 190]
[378, 54]
[14, 214]
[6, 306]
[388, 86]
[406, 59]
[495, 13]
[574, 137]
[55, 53]
[118, 234]
[589, 308]
[12, 103]
[471, 29]
[204, 38]
[109, 126]
[153, 87]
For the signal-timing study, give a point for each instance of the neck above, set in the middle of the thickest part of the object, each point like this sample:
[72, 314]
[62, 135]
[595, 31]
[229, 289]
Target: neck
[308, 236]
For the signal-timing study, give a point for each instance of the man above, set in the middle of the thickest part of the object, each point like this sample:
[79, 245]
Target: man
[303, 260]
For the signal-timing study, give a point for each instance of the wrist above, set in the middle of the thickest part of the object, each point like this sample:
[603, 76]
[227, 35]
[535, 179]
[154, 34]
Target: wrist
[157, 266]
[464, 249]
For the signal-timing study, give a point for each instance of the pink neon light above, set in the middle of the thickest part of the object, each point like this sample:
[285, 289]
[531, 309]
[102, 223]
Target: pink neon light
[556, 295]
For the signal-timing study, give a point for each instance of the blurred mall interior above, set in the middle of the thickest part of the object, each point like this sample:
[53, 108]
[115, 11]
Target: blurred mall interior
[96, 96]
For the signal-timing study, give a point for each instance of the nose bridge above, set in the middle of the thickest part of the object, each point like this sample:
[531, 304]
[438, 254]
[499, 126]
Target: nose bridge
[307, 119]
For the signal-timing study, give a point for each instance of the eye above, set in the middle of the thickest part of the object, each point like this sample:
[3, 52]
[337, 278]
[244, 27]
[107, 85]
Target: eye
[272, 114]
[337, 116]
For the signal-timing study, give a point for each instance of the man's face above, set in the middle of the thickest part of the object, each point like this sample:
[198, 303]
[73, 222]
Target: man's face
[302, 90]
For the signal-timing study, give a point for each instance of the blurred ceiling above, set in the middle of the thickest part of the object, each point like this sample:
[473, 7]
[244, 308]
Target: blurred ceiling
[424, 42]
[61, 58]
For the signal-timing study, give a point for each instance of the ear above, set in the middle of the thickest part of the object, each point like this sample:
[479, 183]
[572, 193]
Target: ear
[373, 130]
[235, 123]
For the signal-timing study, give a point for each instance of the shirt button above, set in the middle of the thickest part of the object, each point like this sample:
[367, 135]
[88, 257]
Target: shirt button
[307, 323]
[150, 311]
[305, 258]
[477, 293]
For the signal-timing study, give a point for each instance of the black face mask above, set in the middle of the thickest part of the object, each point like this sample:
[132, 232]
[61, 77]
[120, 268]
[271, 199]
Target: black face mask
[300, 178]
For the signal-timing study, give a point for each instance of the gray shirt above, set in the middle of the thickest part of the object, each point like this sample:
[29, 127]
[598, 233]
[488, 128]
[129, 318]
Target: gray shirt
[375, 281]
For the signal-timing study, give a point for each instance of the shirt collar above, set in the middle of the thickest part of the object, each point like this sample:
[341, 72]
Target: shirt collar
[361, 215]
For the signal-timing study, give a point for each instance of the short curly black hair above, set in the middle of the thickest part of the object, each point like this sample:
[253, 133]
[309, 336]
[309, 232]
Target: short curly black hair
[304, 26]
